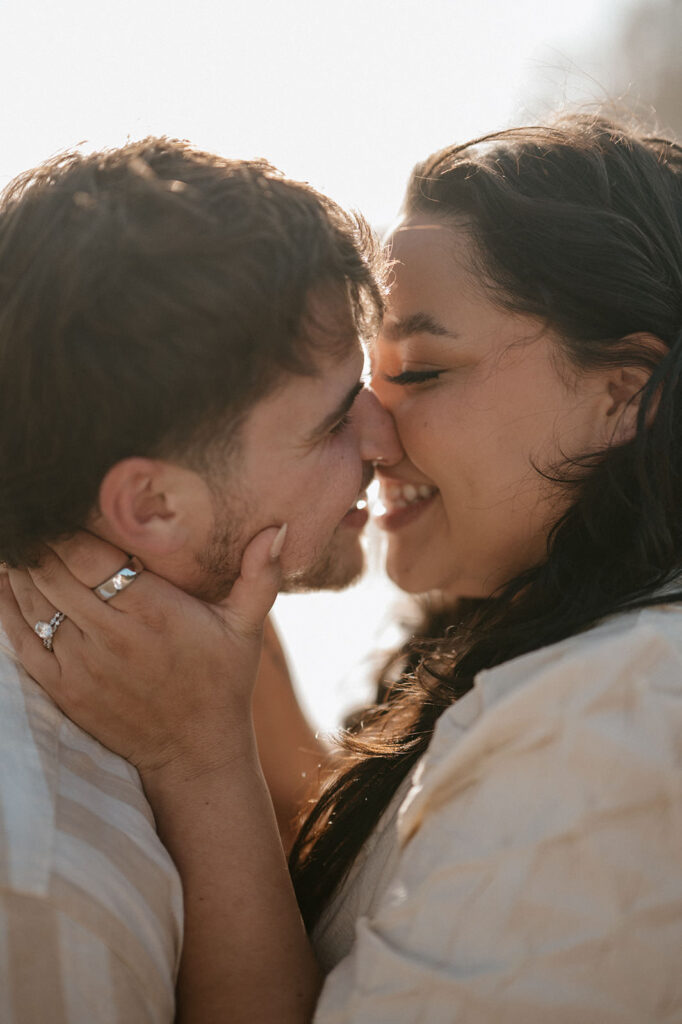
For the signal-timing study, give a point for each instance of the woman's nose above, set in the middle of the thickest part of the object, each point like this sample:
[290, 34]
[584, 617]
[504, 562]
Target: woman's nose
[377, 434]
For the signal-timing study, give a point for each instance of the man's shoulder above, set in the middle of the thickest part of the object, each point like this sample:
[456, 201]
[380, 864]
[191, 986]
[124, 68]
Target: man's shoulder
[77, 839]
[29, 777]
[48, 768]
[59, 783]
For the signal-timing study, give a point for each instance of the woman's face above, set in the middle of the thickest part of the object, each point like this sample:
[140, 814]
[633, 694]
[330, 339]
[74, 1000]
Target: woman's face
[480, 396]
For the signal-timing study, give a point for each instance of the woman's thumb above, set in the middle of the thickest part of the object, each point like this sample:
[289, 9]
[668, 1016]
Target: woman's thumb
[253, 593]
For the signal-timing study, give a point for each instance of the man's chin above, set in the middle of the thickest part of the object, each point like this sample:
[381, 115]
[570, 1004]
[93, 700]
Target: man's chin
[340, 565]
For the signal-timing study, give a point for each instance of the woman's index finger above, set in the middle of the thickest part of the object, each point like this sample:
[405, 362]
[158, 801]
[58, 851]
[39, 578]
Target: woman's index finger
[89, 558]
[67, 594]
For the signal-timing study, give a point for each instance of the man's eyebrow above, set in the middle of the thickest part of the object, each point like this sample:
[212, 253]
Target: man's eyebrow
[338, 413]
[415, 323]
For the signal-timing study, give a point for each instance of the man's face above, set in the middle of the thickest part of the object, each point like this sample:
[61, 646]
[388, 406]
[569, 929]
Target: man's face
[303, 460]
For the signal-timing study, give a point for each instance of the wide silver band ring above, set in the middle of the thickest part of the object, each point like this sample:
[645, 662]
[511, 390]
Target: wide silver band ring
[47, 630]
[120, 580]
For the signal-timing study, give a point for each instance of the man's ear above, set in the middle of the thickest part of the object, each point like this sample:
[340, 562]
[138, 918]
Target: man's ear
[624, 387]
[146, 505]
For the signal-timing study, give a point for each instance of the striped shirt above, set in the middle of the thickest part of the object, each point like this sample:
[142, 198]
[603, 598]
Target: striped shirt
[90, 901]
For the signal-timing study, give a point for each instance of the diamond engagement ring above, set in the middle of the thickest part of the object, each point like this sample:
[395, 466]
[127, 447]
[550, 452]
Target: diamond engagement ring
[120, 580]
[47, 630]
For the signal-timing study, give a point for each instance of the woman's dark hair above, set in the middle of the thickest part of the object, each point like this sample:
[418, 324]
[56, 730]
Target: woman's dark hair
[149, 296]
[579, 224]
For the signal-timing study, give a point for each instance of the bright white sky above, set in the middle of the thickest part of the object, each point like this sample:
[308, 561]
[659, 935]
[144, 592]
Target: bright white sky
[347, 95]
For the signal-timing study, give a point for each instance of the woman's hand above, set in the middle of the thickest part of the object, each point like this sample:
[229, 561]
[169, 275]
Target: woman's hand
[166, 681]
[157, 676]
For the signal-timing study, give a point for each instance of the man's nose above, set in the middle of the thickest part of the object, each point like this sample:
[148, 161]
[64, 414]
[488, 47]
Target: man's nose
[377, 434]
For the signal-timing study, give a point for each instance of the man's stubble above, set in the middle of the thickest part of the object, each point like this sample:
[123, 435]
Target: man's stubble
[339, 565]
[335, 568]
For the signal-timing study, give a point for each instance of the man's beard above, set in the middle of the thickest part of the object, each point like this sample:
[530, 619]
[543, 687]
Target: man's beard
[339, 564]
[219, 564]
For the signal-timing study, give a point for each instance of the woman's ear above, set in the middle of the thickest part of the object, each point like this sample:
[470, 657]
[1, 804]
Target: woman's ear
[625, 385]
[146, 505]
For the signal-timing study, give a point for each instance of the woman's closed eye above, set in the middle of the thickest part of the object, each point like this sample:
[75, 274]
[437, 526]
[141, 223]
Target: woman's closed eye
[413, 376]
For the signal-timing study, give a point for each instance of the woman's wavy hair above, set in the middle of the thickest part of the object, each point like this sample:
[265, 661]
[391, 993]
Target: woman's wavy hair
[579, 224]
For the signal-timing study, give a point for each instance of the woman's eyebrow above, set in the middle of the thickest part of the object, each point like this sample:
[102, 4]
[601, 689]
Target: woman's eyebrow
[415, 323]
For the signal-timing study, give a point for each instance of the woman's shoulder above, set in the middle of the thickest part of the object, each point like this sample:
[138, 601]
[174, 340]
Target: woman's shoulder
[606, 701]
[641, 647]
[538, 866]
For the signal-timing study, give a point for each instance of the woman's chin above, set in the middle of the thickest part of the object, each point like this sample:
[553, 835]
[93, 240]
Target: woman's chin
[416, 578]
[413, 579]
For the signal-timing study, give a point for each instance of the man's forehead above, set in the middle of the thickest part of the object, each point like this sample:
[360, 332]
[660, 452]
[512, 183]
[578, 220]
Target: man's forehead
[329, 322]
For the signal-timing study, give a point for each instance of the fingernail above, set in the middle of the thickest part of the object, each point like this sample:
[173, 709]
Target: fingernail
[278, 543]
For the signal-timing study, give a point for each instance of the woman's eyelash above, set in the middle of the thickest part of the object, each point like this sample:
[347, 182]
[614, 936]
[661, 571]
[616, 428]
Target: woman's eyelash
[413, 376]
[341, 424]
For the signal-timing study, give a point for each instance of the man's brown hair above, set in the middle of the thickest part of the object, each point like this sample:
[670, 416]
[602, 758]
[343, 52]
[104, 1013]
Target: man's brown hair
[149, 295]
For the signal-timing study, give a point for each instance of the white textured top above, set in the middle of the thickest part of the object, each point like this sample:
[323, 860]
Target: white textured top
[90, 901]
[533, 872]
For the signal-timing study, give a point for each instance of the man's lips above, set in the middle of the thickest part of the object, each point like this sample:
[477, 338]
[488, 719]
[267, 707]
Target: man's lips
[360, 504]
[358, 515]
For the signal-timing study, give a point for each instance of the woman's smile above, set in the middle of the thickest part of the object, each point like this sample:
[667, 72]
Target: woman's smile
[402, 502]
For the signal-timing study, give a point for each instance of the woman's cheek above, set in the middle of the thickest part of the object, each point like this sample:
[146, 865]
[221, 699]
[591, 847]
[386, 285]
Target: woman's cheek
[419, 431]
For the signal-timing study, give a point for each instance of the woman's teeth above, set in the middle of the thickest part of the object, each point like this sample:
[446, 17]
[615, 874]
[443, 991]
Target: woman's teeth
[401, 495]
